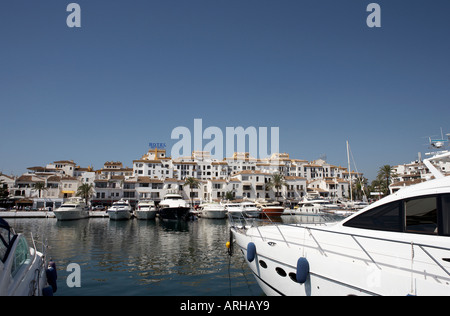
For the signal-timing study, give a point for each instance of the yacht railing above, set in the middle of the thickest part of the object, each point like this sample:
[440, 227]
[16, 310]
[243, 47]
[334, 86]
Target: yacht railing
[242, 224]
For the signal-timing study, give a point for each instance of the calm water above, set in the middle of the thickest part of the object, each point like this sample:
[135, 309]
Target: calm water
[137, 257]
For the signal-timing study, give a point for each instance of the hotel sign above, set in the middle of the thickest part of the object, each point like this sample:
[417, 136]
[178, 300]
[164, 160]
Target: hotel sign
[157, 145]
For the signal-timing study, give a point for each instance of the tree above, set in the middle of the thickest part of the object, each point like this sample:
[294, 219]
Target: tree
[3, 190]
[193, 184]
[384, 176]
[85, 191]
[277, 182]
[40, 186]
[229, 196]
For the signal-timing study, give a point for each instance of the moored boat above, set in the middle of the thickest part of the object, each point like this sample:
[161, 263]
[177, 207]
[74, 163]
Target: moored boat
[24, 271]
[146, 209]
[396, 246]
[271, 209]
[173, 207]
[213, 210]
[246, 209]
[120, 210]
[73, 208]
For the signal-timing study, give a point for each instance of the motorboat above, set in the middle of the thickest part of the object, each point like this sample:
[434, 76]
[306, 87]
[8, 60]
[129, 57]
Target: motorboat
[24, 271]
[174, 207]
[213, 210]
[312, 207]
[120, 210]
[73, 208]
[246, 208]
[399, 245]
[146, 209]
[271, 209]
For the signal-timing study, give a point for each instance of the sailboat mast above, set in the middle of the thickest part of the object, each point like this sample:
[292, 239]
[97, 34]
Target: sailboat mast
[349, 174]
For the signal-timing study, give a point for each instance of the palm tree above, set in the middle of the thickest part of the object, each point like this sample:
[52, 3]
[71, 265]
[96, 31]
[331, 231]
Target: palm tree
[384, 175]
[229, 196]
[39, 186]
[193, 184]
[277, 183]
[85, 191]
[3, 190]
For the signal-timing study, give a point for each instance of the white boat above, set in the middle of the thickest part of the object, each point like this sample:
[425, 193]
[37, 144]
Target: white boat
[23, 269]
[312, 207]
[213, 210]
[246, 208]
[120, 210]
[73, 208]
[173, 207]
[146, 209]
[398, 246]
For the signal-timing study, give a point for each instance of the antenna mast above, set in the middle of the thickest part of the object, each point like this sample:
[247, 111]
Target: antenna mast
[349, 174]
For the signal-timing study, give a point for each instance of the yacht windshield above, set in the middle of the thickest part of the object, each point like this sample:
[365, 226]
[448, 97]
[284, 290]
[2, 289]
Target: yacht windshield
[5, 239]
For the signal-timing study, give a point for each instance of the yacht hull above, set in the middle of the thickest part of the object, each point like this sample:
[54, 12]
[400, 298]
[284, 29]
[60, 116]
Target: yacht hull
[275, 211]
[215, 214]
[175, 213]
[119, 215]
[145, 214]
[342, 263]
[68, 215]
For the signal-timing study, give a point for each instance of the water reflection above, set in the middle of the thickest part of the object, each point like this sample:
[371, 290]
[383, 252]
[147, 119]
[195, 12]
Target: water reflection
[138, 257]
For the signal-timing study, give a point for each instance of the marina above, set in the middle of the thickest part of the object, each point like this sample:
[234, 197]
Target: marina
[137, 257]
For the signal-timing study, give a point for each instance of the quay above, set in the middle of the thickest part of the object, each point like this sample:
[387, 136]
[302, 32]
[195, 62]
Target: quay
[43, 214]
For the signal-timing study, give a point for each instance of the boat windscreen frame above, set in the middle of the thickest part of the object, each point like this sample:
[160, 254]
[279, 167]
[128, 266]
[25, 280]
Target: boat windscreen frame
[7, 243]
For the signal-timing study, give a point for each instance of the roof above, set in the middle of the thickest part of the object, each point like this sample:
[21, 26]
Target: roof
[148, 180]
[69, 162]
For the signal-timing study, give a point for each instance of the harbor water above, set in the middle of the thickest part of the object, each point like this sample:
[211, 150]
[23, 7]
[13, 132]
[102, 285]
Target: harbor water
[136, 257]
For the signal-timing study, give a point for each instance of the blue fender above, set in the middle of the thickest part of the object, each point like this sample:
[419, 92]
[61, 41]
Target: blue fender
[302, 270]
[251, 252]
[52, 276]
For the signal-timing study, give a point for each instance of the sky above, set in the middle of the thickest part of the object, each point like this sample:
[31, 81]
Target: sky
[136, 70]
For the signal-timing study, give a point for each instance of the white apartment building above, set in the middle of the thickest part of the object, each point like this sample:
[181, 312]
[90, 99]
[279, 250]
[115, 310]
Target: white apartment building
[153, 164]
[154, 174]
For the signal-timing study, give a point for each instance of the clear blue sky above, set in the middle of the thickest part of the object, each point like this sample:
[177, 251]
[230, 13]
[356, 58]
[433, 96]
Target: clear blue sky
[137, 69]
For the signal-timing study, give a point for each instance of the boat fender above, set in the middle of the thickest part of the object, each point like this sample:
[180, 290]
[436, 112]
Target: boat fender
[251, 251]
[52, 276]
[47, 291]
[52, 264]
[302, 270]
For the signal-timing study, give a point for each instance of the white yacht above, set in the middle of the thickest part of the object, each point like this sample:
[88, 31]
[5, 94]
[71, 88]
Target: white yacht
[146, 209]
[399, 246]
[173, 207]
[23, 269]
[315, 206]
[246, 208]
[213, 210]
[120, 210]
[73, 208]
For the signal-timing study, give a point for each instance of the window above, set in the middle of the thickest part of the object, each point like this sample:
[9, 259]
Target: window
[21, 256]
[386, 217]
[421, 216]
[445, 215]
